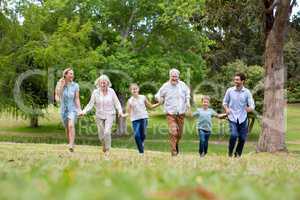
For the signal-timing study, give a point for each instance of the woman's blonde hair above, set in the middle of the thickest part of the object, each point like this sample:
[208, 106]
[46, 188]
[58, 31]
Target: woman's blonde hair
[58, 84]
[101, 78]
[66, 71]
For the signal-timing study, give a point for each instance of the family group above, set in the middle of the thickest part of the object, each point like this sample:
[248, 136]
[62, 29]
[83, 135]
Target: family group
[174, 95]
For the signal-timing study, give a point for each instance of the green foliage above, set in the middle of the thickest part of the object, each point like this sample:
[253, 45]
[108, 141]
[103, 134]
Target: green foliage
[131, 41]
[237, 29]
[224, 79]
[292, 61]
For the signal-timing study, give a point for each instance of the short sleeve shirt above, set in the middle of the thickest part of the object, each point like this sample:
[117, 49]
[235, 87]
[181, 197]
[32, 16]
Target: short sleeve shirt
[68, 97]
[138, 108]
[204, 116]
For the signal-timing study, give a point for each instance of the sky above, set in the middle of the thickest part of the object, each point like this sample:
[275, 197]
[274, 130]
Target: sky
[296, 9]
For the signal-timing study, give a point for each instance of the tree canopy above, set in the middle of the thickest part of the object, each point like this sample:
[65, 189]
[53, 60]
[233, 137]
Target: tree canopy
[132, 41]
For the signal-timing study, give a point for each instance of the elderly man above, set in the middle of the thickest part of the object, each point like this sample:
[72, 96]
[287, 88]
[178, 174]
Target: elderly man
[175, 95]
[238, 101]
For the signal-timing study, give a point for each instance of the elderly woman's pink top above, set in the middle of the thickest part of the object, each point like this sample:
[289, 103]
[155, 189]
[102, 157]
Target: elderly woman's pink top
[106, 105]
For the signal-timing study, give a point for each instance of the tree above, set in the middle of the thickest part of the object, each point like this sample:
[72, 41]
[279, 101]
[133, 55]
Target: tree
[277, 13]
[235, 27]
[18, 47]
[131, 41]
[144, 39]
[30, 49]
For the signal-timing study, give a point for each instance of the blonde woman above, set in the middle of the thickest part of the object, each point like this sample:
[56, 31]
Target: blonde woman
[67, 93]
[106, 103]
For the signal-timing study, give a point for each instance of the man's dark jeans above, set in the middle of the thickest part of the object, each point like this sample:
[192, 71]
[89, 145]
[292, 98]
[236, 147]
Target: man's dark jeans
[237, 132]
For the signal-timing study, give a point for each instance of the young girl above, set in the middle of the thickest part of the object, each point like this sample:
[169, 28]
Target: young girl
[67, 93]
[136, 108]
[204, 124]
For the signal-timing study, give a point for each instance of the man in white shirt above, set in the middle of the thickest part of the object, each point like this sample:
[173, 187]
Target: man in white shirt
[175, 95]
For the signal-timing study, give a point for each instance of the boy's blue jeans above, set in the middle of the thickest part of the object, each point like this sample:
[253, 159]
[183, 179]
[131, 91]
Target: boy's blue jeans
[240, 132]
[203, 141]
[139, 129]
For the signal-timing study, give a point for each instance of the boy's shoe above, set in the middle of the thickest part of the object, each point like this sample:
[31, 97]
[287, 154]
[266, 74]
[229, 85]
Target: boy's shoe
[202, 155]
[141, 154]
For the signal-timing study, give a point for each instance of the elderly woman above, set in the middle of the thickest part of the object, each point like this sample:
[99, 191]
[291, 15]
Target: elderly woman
[175, 95]
[67, 93]
[106, 102]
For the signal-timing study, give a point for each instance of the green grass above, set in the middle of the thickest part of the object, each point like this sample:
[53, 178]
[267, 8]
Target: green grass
[51, 131]
[48, 171]
[293, 123]
[43, 171]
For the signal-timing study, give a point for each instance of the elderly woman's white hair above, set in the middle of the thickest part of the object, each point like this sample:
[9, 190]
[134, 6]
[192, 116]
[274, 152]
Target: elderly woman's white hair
[172, 71]
[102, 77]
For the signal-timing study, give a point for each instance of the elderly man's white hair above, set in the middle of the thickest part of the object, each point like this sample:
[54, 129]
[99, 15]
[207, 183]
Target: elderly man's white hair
[102, 77]
[174, 71]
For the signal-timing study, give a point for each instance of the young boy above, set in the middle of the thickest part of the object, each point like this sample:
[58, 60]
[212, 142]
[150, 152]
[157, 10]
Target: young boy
[137, 110]
[204, 124]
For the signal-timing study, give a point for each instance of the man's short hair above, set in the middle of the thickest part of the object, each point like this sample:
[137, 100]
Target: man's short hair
[241, 75]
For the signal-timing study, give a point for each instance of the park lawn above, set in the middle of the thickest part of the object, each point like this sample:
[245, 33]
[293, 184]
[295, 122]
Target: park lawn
[51, 131]
[293, 123]
[48, 171]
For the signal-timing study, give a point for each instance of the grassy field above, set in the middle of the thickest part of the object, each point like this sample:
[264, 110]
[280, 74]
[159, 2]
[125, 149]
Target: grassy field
[47, 171]
[51, 131]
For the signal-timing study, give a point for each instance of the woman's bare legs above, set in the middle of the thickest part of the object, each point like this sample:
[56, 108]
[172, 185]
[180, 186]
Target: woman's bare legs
[71, 134]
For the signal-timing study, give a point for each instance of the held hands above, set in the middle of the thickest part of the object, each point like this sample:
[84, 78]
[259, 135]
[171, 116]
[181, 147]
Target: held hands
[227, 111]
[249, 109]
[155, 105]
[222, 116]
[81, 113]
[123, 114]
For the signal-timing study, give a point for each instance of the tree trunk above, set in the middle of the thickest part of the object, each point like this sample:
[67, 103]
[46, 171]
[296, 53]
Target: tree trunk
[272, 138]
[34, 121]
